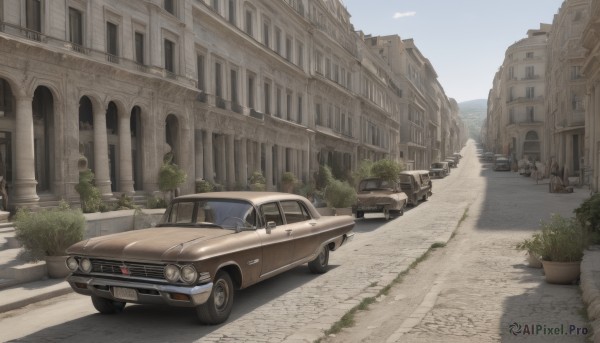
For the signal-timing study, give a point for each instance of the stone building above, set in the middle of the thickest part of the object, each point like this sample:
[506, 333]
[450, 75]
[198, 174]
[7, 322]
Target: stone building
[591, 72]
[516, 111]
[566, 88]
[228, 87]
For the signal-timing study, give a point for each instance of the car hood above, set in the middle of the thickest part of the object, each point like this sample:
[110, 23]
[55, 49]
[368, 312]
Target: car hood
[163, 243]
[374, 198]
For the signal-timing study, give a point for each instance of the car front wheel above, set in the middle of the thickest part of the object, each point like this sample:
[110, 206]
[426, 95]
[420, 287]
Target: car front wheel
[321, 262]
[107, 306]
[217, 308]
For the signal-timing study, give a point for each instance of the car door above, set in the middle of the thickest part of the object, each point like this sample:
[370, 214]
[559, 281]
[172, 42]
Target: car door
[304, 228]
[277, 242]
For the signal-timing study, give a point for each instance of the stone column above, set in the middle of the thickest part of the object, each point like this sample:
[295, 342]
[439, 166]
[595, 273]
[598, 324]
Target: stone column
[230, 161]
[125, 163]
[221, 160]
[24, 180]
[207, 140]
[306, 166]
[101, 172]
[269, 166]
[199, 154]
[243, 159]
[259, 157]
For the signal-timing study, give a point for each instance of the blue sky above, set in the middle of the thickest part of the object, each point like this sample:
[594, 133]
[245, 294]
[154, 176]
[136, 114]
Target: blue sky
[465, 40]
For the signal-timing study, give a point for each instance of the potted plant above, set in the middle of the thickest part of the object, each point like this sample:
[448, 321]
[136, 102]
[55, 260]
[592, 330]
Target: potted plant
[257, 181]
[170, 176]
[340, 196]
[47, 233]
[288, 182]
[204, 186]
[531, 245]
[560, 244]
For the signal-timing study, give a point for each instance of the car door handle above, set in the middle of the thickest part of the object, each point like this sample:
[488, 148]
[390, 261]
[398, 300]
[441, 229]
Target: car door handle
[289, 232]
[313, 223]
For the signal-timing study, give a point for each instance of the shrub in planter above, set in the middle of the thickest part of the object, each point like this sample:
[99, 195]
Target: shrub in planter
[386, 169]
[48, 232]
[170, 176]
[91, 199]
[588, 213]
[203, 186]
[288, 182]
[156, 202]
[324, 177]
[257, 181]
[340, 194]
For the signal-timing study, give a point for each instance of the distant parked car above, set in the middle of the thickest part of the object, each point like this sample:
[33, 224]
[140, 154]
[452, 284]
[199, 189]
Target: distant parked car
[439, 169]
[488, 156]
[379, 196]
[416, 184]
[450, 162]
[502, 163]
[206, 246]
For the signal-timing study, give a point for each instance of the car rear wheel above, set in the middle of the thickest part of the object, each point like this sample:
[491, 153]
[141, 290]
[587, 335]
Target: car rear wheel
[107, 306]
[321, 262]
[360, 214]
[217, 308]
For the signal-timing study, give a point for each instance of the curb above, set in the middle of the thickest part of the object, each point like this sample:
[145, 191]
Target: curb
[590, 270]
[29, 293]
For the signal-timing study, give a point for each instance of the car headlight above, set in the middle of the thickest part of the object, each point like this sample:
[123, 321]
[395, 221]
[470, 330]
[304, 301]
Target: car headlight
[172, 273]
[189, 274]
[85, 265]
[72, 263]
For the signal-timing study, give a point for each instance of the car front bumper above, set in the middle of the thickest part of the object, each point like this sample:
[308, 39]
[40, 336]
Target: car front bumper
[145, 293]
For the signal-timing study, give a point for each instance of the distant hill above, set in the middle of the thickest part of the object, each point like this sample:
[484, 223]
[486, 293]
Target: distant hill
[473, 113]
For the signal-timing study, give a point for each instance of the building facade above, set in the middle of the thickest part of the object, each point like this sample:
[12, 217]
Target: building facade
[228, 88]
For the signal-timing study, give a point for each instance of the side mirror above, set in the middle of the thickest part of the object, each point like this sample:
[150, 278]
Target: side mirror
[270, 226]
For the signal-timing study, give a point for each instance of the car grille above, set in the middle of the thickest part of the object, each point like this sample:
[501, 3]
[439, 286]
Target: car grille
[136, 270]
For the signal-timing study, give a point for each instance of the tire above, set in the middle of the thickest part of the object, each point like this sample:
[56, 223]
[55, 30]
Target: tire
[107, 306]
[386, 214]
[426, 196]
[218, 307]
[321, 263]
[360, 214]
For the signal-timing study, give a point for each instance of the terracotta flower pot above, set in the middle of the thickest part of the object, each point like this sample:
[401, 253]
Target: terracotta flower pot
[562, 273]
[57, 267]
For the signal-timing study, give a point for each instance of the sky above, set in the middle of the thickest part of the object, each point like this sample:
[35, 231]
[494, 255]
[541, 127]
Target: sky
[464, 40]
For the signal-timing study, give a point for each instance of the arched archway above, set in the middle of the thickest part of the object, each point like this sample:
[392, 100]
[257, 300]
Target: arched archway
[43, 131]
[7, 123]
[86, 130]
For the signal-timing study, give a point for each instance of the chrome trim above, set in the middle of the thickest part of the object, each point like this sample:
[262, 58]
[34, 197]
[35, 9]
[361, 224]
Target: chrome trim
[198, 294]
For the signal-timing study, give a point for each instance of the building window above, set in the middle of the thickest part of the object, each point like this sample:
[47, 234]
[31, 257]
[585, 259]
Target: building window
[577, 103]
[169, 6]
[267, 97]
[288, 48]
[200, 65]
[319, 62]
[251, 90]
[249, 22]
[266, 33]
[75, 26]
[575, 72]
[299, 116]
[511, 73]
[528, 54]
[169, 55]
[231, 15]
[33, 18]
[218, 80]
[139, 48]
[511, 116]
[278, 100]
[111, 39]
[300, 53]
[530, 114]
[288, 104]
[318, 115]
[529, 74]
[530, 92]
[215, 5]
[328, 68]
[234, 86]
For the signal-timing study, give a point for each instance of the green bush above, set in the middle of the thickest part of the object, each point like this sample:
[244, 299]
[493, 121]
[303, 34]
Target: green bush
[363, 171]
[386, 169]
[203, 186]
[170, 177]
[324, 177]
[48, 232]
[156, 202]
[560, 240]
[588, 213]
[91, 199]
[125, 202]
[340, 194]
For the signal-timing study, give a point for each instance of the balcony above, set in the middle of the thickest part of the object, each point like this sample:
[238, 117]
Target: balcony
[258, 115]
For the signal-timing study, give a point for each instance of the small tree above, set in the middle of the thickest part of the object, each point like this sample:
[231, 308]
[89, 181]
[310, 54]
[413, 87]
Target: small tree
[340, 194]
[288, 182]
[364, 171]
[257, 181]
[324, 177]
[204, 186]
[170, 177]
[387, 170]
[91, 199]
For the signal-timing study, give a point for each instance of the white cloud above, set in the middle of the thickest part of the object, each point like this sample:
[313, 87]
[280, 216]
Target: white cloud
[399, 15]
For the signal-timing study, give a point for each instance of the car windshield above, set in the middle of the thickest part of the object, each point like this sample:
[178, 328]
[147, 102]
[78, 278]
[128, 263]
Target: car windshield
[374, 184]
[220, 213]
[437, 165]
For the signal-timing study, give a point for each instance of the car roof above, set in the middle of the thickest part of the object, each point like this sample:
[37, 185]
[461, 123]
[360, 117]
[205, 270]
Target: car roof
[251, 196]
[415, 172]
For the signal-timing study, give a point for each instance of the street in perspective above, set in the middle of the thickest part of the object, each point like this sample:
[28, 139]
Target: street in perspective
[474, 287]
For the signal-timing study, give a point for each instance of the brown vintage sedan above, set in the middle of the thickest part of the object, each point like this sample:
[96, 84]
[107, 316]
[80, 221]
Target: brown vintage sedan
[205, 247]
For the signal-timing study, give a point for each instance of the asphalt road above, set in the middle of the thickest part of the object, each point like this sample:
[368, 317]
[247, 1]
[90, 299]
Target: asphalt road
[296, 306]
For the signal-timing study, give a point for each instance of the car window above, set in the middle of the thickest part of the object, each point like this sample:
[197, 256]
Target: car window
[182, 213]
[294, 212]
[270, 213]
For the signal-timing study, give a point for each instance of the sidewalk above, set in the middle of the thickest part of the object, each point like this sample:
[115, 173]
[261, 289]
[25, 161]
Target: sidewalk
[29, 293]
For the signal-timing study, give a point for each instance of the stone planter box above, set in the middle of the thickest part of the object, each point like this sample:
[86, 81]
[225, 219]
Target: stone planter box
[100, 224]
